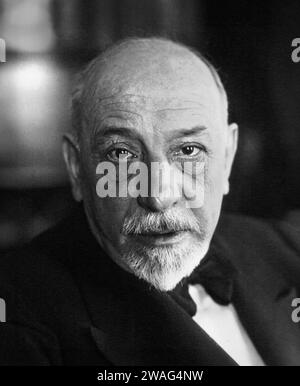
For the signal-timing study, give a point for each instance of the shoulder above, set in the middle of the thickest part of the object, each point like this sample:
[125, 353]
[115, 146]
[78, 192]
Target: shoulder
[256, 242]
[38, 275]
[245, 230]
[47, 320]
[35, 262]
[27, 291]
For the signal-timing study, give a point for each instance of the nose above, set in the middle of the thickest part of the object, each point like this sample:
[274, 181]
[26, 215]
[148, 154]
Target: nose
[156, 204]
[162, 192]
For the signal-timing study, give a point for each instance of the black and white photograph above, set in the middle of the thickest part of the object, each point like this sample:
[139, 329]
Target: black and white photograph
[149, 186]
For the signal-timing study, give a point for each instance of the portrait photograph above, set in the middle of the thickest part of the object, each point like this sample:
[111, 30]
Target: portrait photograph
[150, 187]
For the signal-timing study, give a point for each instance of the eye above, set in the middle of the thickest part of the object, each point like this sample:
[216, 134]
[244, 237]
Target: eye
[120, 154]
[190, 150]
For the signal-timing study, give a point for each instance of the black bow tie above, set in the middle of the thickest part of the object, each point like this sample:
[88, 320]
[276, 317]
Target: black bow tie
[216, 274]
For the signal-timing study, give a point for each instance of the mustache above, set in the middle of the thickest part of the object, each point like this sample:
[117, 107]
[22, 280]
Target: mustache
[173, 220]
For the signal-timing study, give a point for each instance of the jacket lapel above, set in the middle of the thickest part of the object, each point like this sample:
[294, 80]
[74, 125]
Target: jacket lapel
[266, 315]
[133, 324]
[262, 298]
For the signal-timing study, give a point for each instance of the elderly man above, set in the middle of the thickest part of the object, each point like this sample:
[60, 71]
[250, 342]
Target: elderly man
[152, 275]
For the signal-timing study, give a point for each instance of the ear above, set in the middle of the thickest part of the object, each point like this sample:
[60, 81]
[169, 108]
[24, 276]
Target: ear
[231, 146]
[71, 156]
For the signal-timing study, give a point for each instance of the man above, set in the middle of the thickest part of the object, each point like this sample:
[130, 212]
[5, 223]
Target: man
[154, 276]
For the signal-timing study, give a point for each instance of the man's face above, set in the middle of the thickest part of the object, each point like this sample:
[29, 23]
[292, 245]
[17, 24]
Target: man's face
[165, 114]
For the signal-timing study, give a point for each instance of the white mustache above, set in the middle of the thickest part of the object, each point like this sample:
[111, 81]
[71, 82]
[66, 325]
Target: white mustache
[173, 220]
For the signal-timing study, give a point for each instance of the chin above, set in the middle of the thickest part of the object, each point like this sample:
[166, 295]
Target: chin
[165, 266]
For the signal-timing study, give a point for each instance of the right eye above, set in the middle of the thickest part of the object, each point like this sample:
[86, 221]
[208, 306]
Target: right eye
[120, 155]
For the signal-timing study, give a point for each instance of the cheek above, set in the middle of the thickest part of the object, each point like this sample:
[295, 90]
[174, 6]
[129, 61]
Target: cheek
[215, 173]
[215, 179]
[213, 189]
[111, 211]
[108, 212]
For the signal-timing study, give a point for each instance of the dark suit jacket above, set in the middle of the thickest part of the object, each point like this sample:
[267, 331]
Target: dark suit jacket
[68, 303]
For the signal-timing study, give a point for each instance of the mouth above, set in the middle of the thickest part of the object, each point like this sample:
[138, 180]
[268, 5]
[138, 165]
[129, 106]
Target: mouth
[161, 238]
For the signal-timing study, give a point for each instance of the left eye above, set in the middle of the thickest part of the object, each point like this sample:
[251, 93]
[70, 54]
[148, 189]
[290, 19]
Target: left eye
[121, 154]
[190, 150]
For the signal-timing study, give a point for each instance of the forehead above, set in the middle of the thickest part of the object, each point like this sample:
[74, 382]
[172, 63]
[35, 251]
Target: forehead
[140, 109]
[138, 86]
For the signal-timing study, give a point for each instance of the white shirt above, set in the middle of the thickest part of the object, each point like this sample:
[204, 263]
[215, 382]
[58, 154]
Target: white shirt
[222, 324]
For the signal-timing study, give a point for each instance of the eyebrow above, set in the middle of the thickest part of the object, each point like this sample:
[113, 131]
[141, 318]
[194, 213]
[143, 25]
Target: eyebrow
[134, 134]
[187, 132]
[121, 131]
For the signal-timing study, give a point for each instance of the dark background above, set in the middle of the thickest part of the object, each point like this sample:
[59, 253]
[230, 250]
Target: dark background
[48, 40]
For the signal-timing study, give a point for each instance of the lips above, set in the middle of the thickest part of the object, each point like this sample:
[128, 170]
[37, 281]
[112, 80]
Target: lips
[160, 238]
[164, 232]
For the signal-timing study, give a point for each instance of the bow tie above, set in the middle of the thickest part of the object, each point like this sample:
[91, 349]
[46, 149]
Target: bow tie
[216, 274]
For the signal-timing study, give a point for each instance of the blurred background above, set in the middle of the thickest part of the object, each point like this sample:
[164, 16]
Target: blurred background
[47, 41]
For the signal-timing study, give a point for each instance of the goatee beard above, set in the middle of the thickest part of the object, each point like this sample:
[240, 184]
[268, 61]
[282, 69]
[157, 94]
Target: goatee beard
[164, 266]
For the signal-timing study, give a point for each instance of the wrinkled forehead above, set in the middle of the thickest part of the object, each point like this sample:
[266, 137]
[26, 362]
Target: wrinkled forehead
[137, 109]
[139, 82]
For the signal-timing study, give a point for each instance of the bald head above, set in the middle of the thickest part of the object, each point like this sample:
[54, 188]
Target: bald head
[146, 68]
